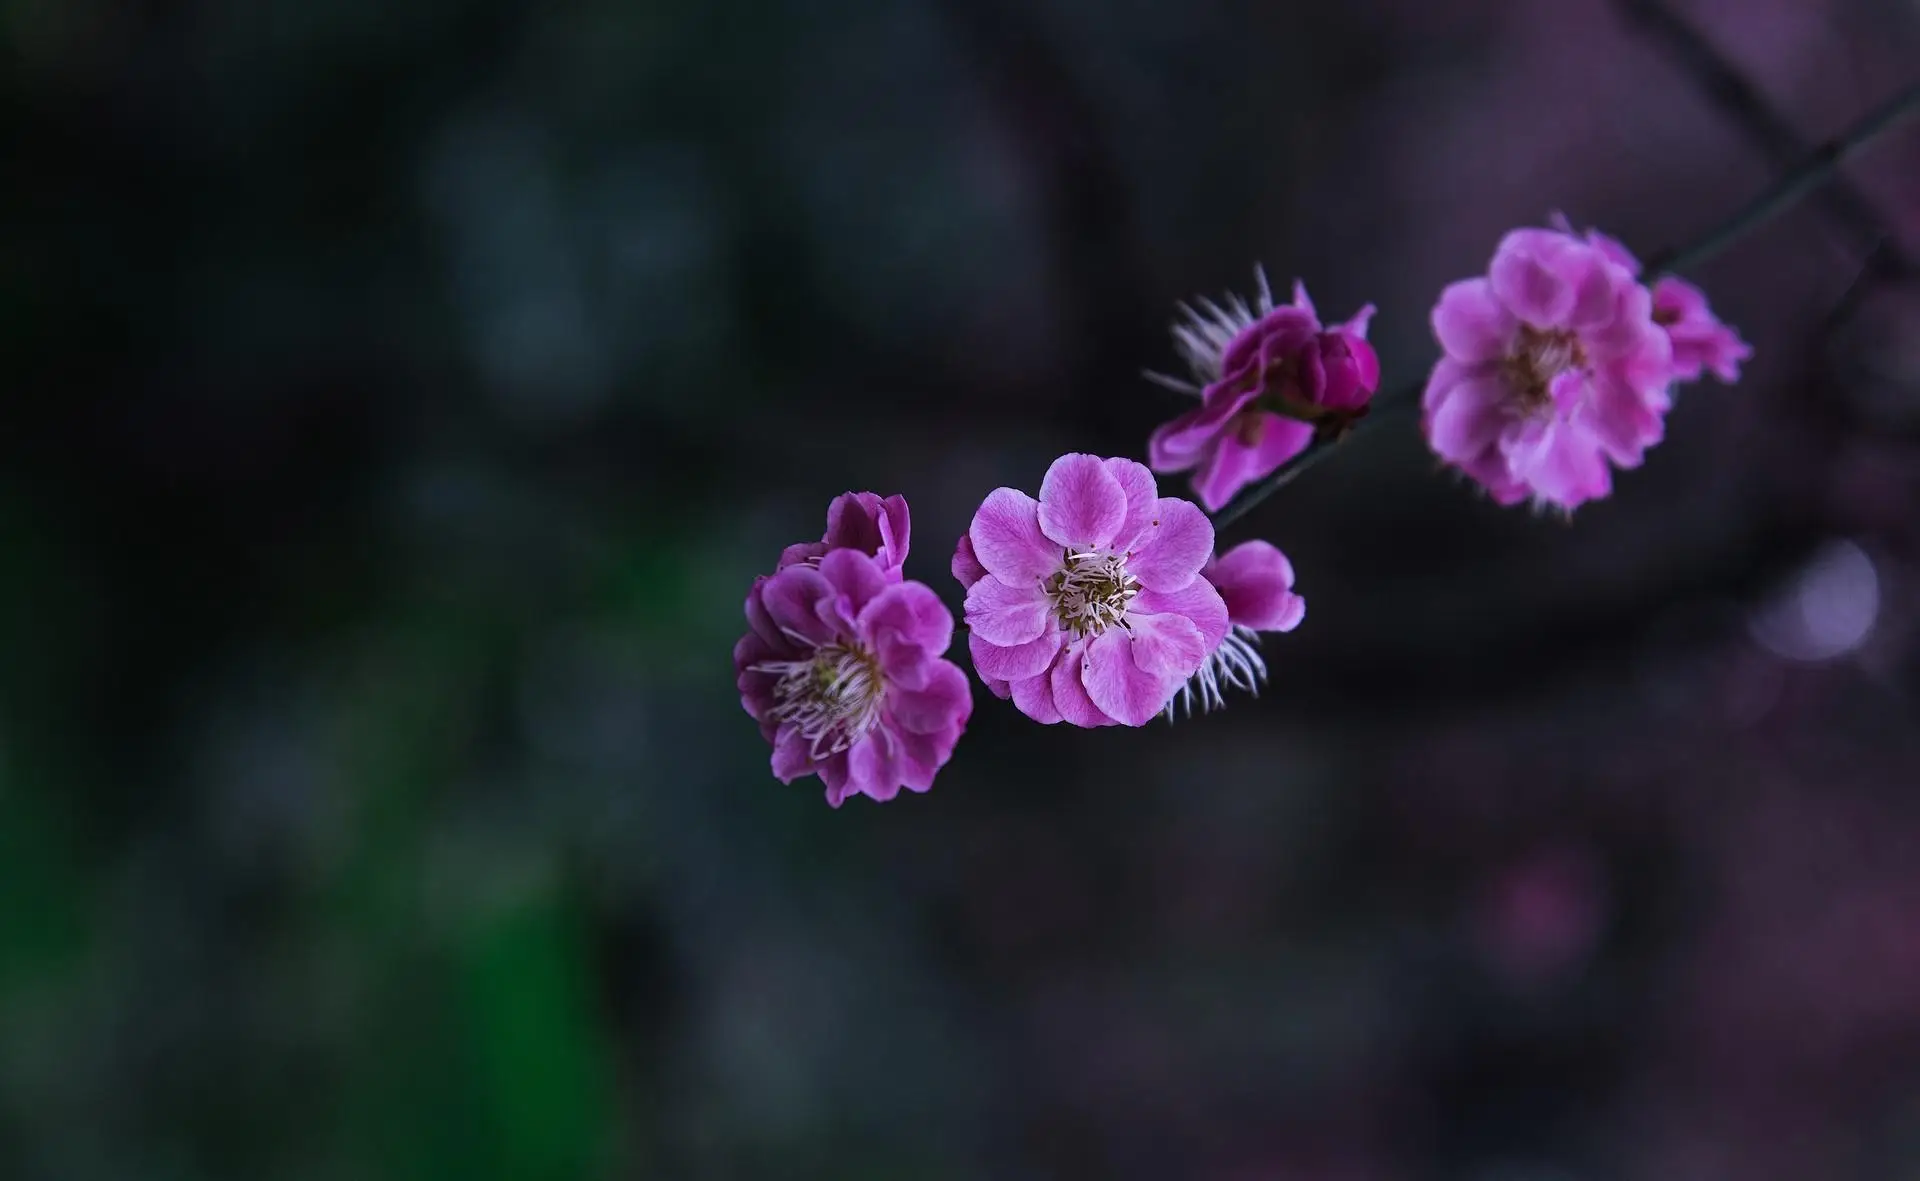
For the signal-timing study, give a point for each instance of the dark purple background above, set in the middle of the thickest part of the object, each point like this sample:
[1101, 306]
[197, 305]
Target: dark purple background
[402, 397]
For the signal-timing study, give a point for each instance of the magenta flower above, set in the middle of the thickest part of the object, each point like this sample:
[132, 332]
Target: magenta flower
[1701, 342]
[1553, 367]
[1255, 580]
[842, 670]
[1088, 603]
[860, 521]
[968, 570]
[1269, 380]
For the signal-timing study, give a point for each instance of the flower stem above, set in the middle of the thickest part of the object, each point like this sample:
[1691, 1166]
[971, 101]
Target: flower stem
[1817, 169]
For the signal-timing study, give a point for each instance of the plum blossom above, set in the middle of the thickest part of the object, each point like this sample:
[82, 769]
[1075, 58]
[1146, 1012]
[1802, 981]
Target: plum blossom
[1255, 580]
[1087, 605]
[1553, 368]
[1269, 379]
[1701, 342]
[860, 521]
[842, 668]
[968, 570]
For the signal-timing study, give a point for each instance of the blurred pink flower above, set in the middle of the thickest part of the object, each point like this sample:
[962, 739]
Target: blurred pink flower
[1089, 602]
[841, 667]
[860, 521]
[1269, 379]
[1701, 342]
[1553, 366]
[1255, 581]
[1542, 917]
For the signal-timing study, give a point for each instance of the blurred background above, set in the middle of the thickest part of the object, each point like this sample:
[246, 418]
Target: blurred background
[401, 398]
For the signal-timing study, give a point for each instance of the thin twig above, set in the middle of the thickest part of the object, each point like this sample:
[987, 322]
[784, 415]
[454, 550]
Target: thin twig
[1818, 167]
[1783, 194]
[1764, 124]
[1395, 406]
[1876, 266]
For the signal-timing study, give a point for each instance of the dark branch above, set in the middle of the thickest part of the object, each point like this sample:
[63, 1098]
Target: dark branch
[1816, 169]
[1764, 125]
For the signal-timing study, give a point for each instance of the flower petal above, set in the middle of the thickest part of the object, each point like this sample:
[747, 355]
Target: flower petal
[1466, 418]
[1015, 662]
[1168, 646]
[922, 756]
[1070, 691]
[1120, 688]
[1198, 601]
[1302, 301]
[791, 599]
[1560, 461]
[1255, 581]
[876, 527]
[1525, 279]
[966, 567]
[908, 627]
[1143, 495]
[1235, 464]
[1613, 250]
[946, 700]
[1178, 445]
[1007, 539]
[1700, 341]
[801, 553]
[1082, 505]
[855, 575]
[1176, 543]
[1352, 371]
[1624, 422]
[833, 772]
[758, 621]
[1007, 615]
[1033, 697]
[873, 765]
[790, 758]
[1470, 323]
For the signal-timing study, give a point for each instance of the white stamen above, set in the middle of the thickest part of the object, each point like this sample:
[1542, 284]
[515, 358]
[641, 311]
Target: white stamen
[1091, 592]
[1235, 664]
[1201, 337]
[830, 699]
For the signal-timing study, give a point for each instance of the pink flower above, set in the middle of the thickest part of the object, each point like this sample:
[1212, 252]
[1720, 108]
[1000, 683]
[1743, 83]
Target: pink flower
[860, 521]
[1268, 383]
[968, 570]
[842, 670]
[1088, 603]
[1701, 342]
[1553, 367]
[1255, 580]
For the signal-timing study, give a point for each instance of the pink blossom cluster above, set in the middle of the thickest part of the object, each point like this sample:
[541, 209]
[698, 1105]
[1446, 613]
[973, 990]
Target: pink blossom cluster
[1270, 380]
[841, 664]
[1559, 366]
[1100, 602]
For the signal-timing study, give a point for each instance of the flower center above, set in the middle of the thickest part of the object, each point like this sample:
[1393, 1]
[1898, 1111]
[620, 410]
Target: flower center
[831, 699]
[1538, 357]
[1091, 591]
